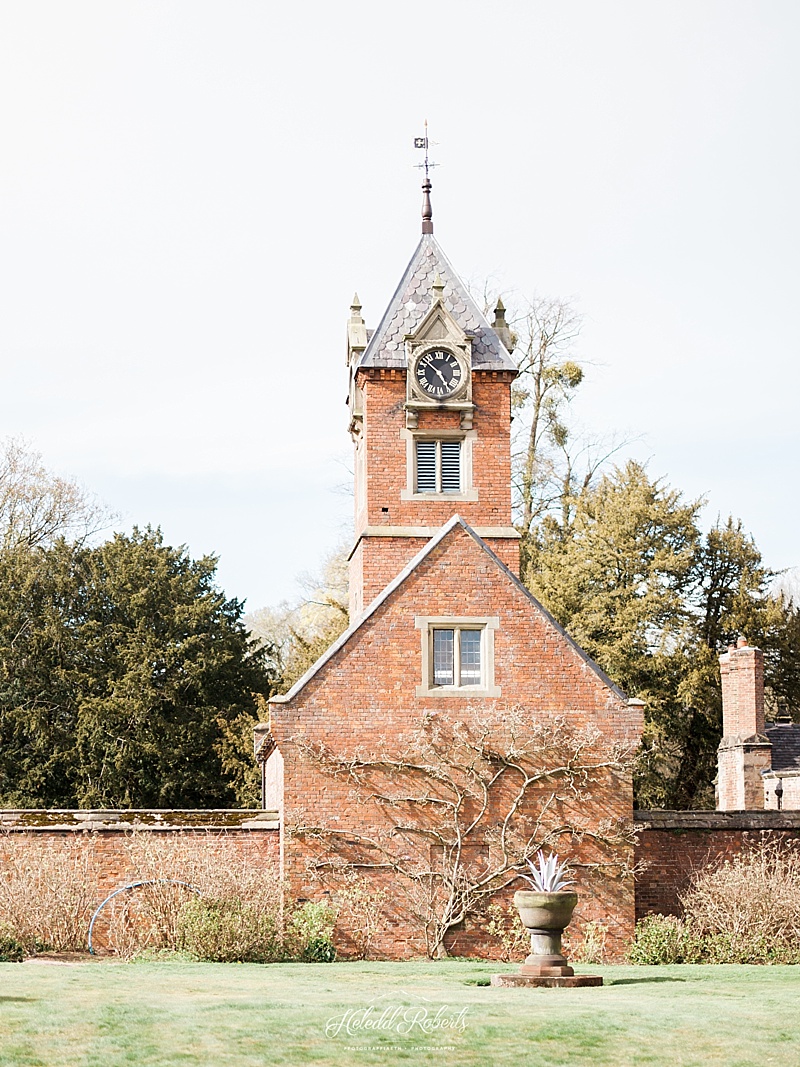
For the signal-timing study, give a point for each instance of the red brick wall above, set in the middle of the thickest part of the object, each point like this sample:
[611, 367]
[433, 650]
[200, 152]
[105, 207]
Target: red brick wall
[366, 692]
[110, 863]
[671, 846]
[377, 561]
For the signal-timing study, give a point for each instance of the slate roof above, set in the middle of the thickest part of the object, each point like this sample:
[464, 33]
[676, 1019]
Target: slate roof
[785, 738]
[456, 520]
[412, 301]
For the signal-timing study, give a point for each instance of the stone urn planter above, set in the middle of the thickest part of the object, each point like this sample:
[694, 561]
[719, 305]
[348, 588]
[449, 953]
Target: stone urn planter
[545, 916]
[545, 911]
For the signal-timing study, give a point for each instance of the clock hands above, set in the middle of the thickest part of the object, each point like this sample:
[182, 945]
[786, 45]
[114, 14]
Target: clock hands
[432, 365]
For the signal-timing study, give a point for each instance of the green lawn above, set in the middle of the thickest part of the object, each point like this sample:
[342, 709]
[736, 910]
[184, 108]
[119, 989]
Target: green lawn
[167, 1013]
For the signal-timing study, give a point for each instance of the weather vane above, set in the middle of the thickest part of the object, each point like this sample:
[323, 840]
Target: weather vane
[423, 142]
[427, 210]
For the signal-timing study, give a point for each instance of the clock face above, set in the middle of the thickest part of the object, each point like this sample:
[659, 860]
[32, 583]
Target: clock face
[438, 373]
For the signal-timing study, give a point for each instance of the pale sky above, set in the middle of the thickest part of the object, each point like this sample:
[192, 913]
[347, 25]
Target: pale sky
[190, 192]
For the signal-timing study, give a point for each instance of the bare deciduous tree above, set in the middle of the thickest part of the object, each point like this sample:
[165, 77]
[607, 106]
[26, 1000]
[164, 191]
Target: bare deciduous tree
[37, 506]
[296, 634]
[551, 463]
[547, 332]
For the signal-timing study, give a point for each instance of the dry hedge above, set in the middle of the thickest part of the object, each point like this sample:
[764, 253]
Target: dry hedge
[204, 895]
[745, 910]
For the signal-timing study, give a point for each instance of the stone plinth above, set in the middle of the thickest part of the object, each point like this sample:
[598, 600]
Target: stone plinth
[539, 969]
[520, 981]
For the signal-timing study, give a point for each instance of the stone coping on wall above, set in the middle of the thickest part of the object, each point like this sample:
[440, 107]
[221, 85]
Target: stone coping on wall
[28, 819]
[717, 820]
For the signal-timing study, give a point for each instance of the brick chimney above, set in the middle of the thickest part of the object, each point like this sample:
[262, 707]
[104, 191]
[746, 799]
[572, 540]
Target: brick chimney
[744, 752]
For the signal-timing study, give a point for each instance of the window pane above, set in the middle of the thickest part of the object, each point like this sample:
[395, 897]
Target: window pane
[426, 467]
[451, 466]
[470, 657]
[443, 657]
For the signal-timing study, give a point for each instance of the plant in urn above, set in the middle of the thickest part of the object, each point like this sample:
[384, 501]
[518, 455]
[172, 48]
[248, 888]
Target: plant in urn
[546, 910]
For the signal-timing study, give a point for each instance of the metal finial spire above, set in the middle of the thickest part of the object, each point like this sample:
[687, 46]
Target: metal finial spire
[427, 210]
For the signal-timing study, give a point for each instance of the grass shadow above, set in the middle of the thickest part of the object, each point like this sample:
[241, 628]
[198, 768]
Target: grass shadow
[18, 1000]
[639, 981]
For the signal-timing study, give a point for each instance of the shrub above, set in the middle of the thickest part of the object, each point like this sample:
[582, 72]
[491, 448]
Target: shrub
[591, 944]
[748, 908]
[229, 931]
[12, 949]
[242, 893]
[662, 939]
[363, 903]
[504, 923]
[47, 891]
[232, 930]
[745, 910]
[724, 947]
[309, 936]
[205, 895]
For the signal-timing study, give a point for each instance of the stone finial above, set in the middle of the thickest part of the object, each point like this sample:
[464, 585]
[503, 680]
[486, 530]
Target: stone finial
[438, 286]
[356, 329]
[501, 327]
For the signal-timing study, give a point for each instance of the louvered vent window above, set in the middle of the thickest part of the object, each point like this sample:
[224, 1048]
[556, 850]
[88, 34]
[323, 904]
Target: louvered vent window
[438, 467]
[426, 466]
[451, 466]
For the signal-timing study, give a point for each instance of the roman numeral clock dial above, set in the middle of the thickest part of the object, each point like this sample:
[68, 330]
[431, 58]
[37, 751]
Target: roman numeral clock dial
[438, 373]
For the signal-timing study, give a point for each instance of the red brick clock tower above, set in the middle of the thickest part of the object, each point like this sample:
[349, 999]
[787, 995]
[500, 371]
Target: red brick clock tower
[441, 628]
[430, 417]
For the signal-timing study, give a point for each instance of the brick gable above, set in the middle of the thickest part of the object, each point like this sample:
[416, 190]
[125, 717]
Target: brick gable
[364, 691]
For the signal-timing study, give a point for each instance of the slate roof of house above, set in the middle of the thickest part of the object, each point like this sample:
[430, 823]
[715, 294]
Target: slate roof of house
[456, 520]
[785, 738]
[412, 301]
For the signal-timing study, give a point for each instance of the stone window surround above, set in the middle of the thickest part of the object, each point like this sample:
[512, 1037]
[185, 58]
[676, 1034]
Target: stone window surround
[466, 437]
[487, 625]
